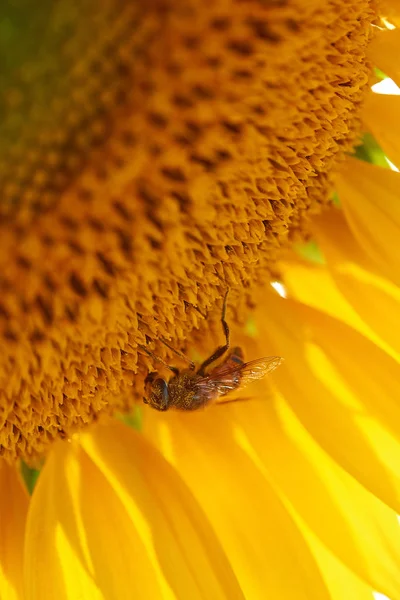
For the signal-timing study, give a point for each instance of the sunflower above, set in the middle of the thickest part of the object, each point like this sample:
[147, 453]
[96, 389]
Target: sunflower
[152, 155]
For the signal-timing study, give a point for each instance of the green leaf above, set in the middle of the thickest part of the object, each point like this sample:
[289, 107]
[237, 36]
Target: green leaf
[29, 476]
[133, 419]
[310, 251]
[370, 151]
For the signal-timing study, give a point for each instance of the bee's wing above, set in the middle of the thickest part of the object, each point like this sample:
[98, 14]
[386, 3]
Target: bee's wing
[225, 379]
[257, 369]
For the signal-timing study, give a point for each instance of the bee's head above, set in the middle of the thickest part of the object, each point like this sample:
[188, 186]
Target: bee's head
[157, 392]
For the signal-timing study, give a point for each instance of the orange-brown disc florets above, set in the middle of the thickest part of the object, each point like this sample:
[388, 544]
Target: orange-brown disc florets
[152, 153]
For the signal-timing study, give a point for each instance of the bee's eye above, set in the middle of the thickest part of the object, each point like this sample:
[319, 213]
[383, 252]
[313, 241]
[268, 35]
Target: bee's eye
[159, 394]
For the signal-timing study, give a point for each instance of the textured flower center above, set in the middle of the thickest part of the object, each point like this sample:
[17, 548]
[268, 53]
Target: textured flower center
[149, 158]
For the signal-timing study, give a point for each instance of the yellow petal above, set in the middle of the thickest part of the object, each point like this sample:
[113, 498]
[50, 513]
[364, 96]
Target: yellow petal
[382, 116]
[353, 525]
[350, 294]
[13, 508]
[314, 286]
[260, 538]
[173, 527]
[370, 199]
[340, 580]
[349, 291]
[390, 9]
[340, 386]
[385, 50]
[80, 541]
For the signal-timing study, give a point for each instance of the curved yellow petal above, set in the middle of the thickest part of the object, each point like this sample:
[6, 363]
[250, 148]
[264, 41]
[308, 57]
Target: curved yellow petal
[80, 541]
[340, 385]
[348, 520]
[390, 13]
[259, 536]
[358, 295]
[384, 51]
[122, 567]
[382, 116]
[173, 527]
[314, 286]
[56, 563]
[335, 237]
[370, 199]
[13, 508]
[351, 294]
[340, 580]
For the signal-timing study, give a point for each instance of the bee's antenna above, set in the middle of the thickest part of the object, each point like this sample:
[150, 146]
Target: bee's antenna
[178, 353]
[196, 308]
[173, 369]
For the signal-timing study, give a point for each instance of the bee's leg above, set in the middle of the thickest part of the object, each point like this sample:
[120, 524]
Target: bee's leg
[173, 369]
[220, 351]
[192, 366]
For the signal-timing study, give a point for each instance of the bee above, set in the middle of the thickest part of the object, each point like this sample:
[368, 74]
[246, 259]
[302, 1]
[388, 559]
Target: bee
[191, 388]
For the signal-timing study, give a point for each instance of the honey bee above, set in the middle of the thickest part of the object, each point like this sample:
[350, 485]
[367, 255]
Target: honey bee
[191, 389]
